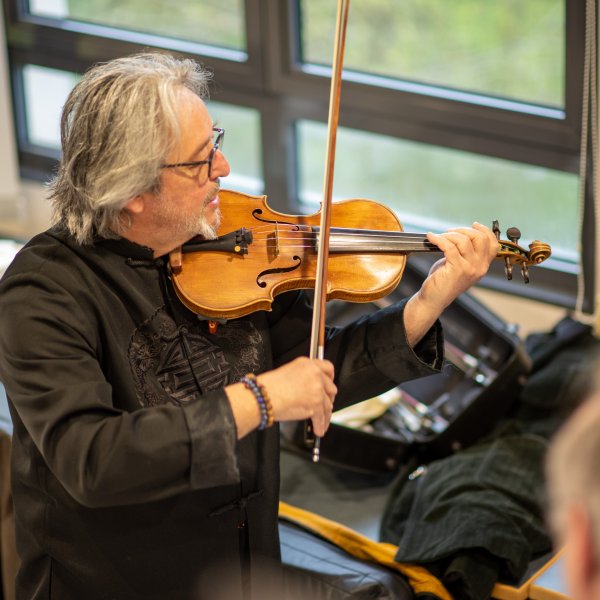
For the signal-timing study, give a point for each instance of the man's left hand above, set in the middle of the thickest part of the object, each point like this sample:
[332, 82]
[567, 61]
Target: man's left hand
[468, 253]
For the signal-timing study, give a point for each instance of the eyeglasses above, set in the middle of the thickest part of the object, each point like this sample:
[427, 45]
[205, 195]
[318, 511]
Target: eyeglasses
[218, 144]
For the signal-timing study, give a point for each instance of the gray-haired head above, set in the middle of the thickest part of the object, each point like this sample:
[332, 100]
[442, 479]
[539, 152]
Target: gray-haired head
[118, 125]
[573, 477]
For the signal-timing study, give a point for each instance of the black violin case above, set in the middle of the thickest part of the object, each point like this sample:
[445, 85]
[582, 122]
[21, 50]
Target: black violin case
[485, 367]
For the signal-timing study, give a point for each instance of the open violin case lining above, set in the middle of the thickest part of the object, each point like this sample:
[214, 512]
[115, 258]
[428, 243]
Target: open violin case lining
[428, 418]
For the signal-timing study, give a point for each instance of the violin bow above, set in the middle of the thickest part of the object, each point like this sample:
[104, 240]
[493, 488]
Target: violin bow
[317, 342]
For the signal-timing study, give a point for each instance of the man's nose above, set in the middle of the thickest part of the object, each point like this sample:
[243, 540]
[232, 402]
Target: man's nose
[220, 166]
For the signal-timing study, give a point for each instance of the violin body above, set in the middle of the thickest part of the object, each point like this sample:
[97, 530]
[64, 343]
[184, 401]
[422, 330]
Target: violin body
[283, 256]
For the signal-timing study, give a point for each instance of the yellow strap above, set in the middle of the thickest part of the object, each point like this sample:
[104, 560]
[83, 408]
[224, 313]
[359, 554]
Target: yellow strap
[419, 578]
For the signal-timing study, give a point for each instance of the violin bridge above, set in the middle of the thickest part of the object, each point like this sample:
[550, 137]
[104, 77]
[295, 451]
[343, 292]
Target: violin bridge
[273, 243]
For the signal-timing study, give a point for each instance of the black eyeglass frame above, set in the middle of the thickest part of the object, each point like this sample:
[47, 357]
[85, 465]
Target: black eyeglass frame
[197, 163]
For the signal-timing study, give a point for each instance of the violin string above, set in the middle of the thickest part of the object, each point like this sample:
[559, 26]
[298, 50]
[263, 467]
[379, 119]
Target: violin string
[294, 234]
[342, 230]
[394, 248]
[390, 238]
[307, 239]
[309, 243]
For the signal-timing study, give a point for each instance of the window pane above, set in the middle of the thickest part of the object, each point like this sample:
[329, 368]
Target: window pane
[433, 188]
[242, 146]
[213, 22]
[510, 49]
[46, 91]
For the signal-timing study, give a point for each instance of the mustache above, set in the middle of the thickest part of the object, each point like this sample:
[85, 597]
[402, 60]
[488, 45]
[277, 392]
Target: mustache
[210, 195]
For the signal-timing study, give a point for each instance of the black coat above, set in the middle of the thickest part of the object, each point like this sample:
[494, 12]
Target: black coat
[128, 478]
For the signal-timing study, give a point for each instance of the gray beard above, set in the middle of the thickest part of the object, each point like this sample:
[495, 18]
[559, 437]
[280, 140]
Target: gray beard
[190, 226]
[207, 231]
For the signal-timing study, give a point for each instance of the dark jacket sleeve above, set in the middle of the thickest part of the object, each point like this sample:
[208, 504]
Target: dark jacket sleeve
[370, 355]
[95, 438]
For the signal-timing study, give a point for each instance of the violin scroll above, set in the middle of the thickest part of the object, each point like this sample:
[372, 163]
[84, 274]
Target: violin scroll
[510, 251]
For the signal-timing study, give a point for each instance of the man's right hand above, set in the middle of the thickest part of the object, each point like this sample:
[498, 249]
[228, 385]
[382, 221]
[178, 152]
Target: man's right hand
[300, 389]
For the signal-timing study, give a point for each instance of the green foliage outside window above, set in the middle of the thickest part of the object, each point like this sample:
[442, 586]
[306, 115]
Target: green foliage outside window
[214, 22]
[506, 48]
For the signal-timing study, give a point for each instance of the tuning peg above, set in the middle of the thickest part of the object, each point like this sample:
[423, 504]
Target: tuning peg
[525, 273]
[507, 263]
[496, 229]
[513, 234]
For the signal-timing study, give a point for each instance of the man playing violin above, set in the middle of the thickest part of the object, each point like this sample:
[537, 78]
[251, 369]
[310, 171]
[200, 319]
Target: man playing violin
[145, 445]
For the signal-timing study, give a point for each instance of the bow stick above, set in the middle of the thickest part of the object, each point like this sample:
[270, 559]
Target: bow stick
[317, 342]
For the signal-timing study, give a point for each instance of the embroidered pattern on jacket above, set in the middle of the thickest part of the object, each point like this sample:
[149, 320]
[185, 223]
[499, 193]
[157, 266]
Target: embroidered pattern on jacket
[242, 342]
[184, 361]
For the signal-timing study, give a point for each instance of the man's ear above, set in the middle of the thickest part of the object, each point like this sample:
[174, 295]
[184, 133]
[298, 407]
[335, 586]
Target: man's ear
[136, 204]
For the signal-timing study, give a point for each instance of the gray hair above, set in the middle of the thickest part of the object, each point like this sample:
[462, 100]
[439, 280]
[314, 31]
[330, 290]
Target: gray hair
[118, 125]
[572, 470]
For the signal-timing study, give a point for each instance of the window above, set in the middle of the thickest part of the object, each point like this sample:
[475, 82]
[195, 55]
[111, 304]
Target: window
[45, 91]
[169, 19]
[451, 111]
[433, 188]
[243, 146]
[509, 49]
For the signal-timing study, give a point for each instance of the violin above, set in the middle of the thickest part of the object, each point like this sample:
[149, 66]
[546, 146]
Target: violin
[260, 253]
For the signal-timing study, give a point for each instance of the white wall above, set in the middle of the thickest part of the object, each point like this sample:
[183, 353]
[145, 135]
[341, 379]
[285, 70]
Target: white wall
[9, 186]
[527, 315]
[23, 208]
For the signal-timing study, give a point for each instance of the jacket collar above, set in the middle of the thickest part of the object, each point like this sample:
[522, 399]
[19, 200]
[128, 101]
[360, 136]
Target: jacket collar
[126, 248]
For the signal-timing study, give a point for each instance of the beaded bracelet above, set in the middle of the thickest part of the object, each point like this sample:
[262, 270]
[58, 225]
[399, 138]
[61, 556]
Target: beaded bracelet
[267, 406]
[264, 403]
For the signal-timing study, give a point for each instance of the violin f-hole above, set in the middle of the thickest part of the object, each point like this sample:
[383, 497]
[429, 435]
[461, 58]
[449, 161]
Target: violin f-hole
[265, 273]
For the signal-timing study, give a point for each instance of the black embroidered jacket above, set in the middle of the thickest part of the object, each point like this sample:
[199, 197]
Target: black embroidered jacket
[128, 479]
